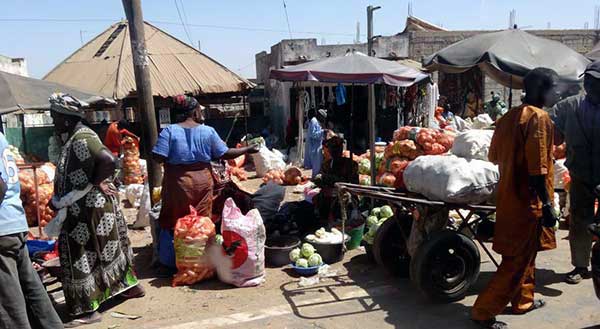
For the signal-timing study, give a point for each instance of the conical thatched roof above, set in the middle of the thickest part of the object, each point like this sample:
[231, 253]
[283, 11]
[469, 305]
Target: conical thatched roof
[104, 66]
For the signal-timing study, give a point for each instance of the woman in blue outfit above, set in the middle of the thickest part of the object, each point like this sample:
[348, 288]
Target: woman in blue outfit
[186, 149]
[313, 150]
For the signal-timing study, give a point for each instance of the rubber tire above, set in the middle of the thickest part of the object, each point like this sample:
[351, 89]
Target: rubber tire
[422, 270]
[389, 246]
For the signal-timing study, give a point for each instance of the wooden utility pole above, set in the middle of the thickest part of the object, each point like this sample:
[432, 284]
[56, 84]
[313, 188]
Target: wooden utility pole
[371, 100]
[133, 12]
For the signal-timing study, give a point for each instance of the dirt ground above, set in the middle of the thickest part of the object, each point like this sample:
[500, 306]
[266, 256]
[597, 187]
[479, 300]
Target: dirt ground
[361, 295]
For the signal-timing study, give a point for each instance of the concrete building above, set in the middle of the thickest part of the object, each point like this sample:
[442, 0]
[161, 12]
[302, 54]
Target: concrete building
[419, 39]
[13, 65]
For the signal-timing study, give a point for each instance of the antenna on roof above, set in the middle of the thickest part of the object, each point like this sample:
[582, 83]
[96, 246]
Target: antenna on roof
[357, 39]
[597, 18]
[410, 9]
[586, 26]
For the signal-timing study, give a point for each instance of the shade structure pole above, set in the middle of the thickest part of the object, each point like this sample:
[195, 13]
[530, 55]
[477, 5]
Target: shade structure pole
[351, 137]
[141, 70]
[300, 114]
[510, 95]
[371, 115]
[371, 100]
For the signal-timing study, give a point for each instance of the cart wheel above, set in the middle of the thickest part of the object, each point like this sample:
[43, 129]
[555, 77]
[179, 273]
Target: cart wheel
[389, 246]
[445, 266]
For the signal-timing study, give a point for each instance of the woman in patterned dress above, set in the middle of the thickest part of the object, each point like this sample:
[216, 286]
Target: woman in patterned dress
[94, 249]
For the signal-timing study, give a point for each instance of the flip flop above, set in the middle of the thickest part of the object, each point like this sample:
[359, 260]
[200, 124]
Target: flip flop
[537, 304]
[83, 321]
[129, 294]
[491, 324]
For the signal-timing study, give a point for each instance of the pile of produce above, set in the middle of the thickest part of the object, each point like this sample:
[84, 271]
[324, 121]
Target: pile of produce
[364, 164]
[410, 143]
[291, 176]
[132, 173]
[275, 175]
[16, 154]
[429, 141]
[305, 256]
[377, 217]
[238, 172]
[321, 236]
[45, 193]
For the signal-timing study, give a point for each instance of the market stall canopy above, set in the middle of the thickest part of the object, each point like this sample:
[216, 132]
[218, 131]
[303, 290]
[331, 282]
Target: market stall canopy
[105, 66]
[19, 93]
[352, 68]
[594, 55]
[508, 54]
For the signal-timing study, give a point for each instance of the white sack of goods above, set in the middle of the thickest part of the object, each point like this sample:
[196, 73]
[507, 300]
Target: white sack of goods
[482, 121]
[561, 174]
[452, 179]
[266, 160]
[473, 144]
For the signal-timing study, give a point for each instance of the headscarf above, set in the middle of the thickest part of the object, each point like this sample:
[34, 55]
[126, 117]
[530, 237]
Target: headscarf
[67, 105]
[185, 103]
[335, 144]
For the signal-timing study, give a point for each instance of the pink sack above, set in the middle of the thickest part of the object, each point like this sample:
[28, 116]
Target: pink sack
[242, 257]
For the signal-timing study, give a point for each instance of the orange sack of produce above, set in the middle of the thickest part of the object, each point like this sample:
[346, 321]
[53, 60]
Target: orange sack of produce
[191, 237]
[132, 173]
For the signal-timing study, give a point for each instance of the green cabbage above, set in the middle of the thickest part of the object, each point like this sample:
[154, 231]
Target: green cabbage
[386, 212]
[365, 180]
[364, 167]
[378, 160]
[372, 220]
[315, 260]
[301, 262]
[375, 212]
[295, 254]
[307, 250]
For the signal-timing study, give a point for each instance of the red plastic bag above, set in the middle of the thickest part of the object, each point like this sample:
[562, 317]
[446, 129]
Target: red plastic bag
[191, 236]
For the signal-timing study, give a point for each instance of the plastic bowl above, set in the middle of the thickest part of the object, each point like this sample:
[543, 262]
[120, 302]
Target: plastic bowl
[306, 271]
[330, 252]
[277, 249]
[39, 245]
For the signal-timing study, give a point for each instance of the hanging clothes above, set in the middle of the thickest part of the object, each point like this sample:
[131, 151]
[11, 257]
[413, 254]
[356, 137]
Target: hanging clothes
[331, 95]
[340, 94]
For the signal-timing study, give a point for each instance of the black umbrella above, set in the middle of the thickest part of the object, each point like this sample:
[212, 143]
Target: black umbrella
[18, 93]
[507, 56]
[594, 55]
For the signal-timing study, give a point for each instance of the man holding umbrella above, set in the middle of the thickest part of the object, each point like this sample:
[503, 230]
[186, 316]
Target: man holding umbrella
[577, 120]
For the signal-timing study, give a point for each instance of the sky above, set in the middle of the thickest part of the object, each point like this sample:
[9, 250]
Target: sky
[45, 32]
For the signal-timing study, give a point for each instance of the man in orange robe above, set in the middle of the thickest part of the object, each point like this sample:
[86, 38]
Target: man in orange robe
[114, 135]
[522, 148]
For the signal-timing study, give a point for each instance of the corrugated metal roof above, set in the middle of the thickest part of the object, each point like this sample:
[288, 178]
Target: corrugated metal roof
[105, 66]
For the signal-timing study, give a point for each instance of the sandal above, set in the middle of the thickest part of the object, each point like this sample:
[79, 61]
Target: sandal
[85, 320]
[134, 292]
[537, 304]
[491, 324]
